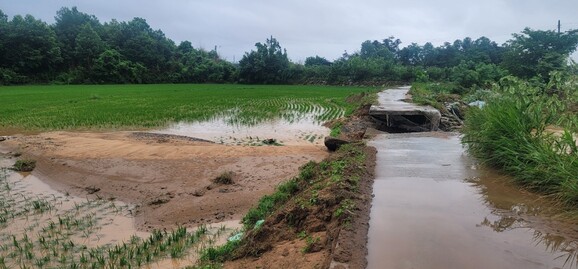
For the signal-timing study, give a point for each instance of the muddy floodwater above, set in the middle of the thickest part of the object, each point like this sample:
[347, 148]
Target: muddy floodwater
[305, 130]
[434, 207]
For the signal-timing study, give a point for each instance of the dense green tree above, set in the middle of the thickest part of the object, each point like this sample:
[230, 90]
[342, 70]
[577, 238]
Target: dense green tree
[536, 53]
[89, 46]
[411, 55]
[69, 23]
[30, 48]
[268, 64]
[3, 36]
[312, 61]
[112, 67]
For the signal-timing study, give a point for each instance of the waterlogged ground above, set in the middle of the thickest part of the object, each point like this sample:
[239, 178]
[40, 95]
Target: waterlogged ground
[41, 227]
[165, 180]
[302, 129]
[434, 207]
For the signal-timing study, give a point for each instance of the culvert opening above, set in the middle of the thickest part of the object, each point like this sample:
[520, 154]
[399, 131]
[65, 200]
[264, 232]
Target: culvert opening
[404, 123]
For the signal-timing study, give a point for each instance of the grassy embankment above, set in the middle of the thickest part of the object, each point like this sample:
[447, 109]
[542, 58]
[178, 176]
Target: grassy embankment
[109, 107]
[329, 192]
[324, 194]
[515, 132]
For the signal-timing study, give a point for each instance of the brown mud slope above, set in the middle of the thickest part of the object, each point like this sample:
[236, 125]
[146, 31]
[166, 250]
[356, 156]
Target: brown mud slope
[325, 223]
[170, 178]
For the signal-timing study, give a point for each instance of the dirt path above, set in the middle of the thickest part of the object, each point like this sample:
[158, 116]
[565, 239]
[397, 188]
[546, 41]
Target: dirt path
[168, 177]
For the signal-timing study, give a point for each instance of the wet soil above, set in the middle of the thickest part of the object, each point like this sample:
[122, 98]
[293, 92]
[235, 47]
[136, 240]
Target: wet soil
[306, 232]
[168, 177]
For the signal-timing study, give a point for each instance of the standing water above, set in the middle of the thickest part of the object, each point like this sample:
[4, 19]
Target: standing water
[435, 208]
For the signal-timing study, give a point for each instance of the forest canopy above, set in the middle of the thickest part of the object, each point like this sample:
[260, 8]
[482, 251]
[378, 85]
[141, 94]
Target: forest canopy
[79, 49]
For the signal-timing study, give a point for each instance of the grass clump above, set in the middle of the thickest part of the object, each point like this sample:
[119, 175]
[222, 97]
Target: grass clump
[24, 165]
[268, 203]
[336, 129]
[433, 94]
[511, 133]
[225, 178]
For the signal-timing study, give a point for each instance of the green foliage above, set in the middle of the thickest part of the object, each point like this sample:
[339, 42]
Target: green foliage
[336, 129]
[218, 254]
[268, 203]
[511, 133]
[29, 50]
[430, 93]
[536, 53]
[317, 61]
[24, 165]
[150, 106]
[79, 49]
[269, 64]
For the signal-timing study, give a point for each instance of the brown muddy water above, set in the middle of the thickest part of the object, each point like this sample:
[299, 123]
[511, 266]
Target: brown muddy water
[299, 132]
[434, 207]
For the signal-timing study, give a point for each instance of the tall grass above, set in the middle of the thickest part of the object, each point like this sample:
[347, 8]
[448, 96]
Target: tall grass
[511, 133]
[149, 106]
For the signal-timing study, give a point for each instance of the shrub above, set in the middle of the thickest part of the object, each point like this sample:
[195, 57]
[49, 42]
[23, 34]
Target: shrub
[24, 165]
[224, 178]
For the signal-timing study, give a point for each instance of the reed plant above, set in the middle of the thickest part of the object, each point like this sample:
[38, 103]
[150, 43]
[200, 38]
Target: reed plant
[512, 133]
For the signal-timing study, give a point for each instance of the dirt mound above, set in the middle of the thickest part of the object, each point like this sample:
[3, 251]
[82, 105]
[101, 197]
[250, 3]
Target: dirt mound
[325, 222]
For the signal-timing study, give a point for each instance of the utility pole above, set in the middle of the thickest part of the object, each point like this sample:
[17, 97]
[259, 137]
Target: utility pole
[558, 26]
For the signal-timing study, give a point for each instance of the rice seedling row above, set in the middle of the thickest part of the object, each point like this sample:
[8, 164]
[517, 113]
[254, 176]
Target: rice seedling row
[57, 231]
[153, 106]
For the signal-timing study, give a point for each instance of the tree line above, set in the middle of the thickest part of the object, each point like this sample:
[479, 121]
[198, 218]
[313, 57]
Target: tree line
[79, 49]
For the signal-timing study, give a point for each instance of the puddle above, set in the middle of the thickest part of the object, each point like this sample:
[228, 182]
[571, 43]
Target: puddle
[303, 131]
[434, 207]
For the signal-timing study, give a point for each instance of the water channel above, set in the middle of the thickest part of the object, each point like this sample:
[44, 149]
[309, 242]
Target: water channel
[435, 207]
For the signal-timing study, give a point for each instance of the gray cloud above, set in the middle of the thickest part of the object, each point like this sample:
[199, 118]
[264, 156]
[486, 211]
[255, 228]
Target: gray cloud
[318, 27]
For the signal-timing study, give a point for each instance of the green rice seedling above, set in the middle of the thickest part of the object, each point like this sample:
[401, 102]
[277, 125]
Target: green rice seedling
[49, 107]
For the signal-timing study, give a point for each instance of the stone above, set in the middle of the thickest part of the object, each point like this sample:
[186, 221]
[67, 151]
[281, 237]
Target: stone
[333, 143]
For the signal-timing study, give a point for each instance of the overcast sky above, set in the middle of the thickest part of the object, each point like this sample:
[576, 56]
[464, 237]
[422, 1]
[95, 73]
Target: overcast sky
[318, 27]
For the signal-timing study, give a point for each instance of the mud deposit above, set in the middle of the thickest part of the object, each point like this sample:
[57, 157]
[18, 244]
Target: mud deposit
[434, 207]
[41, 227]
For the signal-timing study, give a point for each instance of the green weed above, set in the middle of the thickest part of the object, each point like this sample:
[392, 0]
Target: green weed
[510, 133]
[24, 165]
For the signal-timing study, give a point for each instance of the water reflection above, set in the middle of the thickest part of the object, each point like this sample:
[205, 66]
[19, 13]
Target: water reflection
[425, 215]
[287, 131]
[553, 227]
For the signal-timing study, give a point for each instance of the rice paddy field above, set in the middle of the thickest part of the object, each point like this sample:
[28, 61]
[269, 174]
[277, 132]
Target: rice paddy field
[110, 107]
[43, 228]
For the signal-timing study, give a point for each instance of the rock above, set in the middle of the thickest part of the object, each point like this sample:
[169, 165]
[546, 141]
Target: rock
[2, 138]
[478, 103]
[92, 189]
[333, 143]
